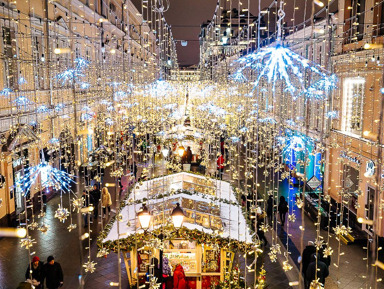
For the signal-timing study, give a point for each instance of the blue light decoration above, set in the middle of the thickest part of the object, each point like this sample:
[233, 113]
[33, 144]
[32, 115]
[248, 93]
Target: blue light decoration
[81, 63]
[42, 109]
[49, 176]
[59, 107]
[86, 116]
[73, 74]
[108, 121]
[297, 148]
[160, 88]
[119, 95]
[334, 114]
[22, 80]
[22, 102]
[5, 91]
[278, 64]
[54, 141]
[270, 120]
[84, 85]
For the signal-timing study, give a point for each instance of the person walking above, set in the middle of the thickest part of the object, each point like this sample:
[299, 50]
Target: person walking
[189, 155]
[220, 166]
[88, 200]
[35, 273]
[270, 208]
[96, 199]
[283, 210]
[106, 201]
[317, 269]
[53, 274]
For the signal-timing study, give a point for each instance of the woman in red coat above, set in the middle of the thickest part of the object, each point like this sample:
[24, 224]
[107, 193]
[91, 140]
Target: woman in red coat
[179, 281]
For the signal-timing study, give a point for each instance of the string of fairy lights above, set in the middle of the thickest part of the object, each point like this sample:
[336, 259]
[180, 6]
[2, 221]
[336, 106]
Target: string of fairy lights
[90, 94]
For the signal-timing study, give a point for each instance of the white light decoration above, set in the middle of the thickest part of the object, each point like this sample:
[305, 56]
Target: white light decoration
[50, 177]
[178, 216]
[144, 217]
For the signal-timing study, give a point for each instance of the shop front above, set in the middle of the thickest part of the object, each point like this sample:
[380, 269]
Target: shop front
[298, 150]
[214, 229]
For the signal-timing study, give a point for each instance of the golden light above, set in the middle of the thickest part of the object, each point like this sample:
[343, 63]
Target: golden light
[13, 232]
[319, 3]
[181, 151]
[365, 221]
[144, 217]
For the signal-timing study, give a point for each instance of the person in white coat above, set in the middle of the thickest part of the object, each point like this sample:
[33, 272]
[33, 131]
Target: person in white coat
[106, 201]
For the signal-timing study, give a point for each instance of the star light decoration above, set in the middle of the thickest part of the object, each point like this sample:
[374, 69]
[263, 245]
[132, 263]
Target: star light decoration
[73, 74]
[50, 177]
[27, 242]
[89, 266]
[152, 284]
[62, 214]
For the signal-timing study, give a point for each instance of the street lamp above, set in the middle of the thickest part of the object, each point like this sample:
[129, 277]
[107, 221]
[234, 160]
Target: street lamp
[181, 151]
[177, 216]
[144, 217]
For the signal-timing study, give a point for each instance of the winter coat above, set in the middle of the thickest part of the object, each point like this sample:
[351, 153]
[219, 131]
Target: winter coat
[322, 272]
[95, 196]
[106, 199]
[283, 207]
[179, 281]
[53, 275]
[37, 274]
[220, 162]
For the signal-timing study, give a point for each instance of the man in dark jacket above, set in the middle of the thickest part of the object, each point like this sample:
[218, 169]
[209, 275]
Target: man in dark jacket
[37, 272]
[53, 274]
[310, 274]
[96, 198]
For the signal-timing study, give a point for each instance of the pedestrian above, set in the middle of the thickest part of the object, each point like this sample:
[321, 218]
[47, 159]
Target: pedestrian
[96, 199]
[106, 201]
[88, 200]
[260, 232]
[53, 274]
[317, 269]
[220, 166]
[189, 155]
[35, 273]
[270, 208]
[179, 281]
[283, 210]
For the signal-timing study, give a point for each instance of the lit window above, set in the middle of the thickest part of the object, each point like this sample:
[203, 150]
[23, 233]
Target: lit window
[353, 97]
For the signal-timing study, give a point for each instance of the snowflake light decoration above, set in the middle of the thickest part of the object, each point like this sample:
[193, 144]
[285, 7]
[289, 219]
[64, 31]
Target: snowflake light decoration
[89, 266]
[50, 177]
[153, 283]
[27, 242]
[287, 266]
[77, 204]
[5, 91]
[62, 214]
[327, 252]
[22, 102]
[103, 252]
[42, 109]
[315, 284]
[71, 227]
[43, 228]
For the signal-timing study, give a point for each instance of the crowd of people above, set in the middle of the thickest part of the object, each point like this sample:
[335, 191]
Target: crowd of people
[38, 272]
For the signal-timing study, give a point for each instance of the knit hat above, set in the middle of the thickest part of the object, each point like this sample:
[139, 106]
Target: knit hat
[35, 259]
[50, 258]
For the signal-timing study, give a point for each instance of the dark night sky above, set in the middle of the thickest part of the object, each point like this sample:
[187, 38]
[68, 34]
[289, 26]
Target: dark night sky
[186, 16]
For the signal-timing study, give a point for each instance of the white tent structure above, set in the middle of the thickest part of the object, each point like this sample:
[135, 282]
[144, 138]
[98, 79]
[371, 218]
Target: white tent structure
[210, 206]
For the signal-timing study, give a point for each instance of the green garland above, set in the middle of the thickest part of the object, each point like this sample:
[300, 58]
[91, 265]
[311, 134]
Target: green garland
[183, 233]
[195, 235]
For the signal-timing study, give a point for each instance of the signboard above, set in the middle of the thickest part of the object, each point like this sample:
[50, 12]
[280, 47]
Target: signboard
[314, 183]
